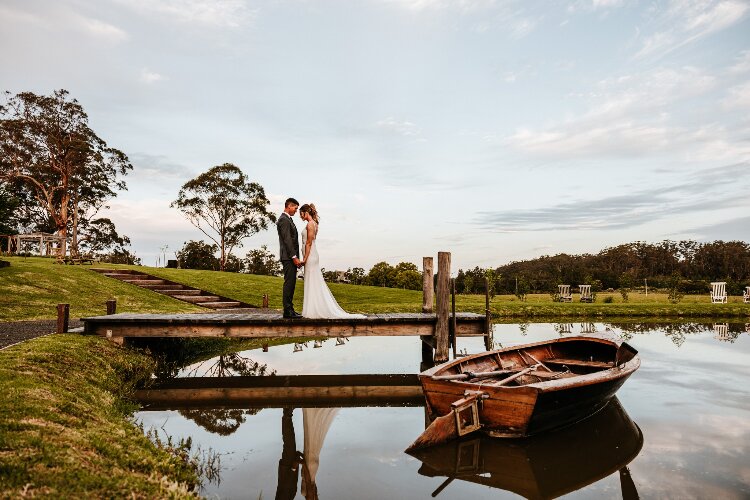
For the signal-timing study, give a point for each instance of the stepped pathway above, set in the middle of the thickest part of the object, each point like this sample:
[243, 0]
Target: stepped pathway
[175, 290]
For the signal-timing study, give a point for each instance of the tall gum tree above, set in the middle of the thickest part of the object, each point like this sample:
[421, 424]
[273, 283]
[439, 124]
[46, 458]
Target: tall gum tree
[47, 144]
[224, 206]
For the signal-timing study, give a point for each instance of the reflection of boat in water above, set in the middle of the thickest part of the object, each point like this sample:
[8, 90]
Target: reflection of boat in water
[524, 390]
[544, 466]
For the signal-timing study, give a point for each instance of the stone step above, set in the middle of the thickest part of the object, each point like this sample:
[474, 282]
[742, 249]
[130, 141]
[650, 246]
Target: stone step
[177, 291]
[146, 282]
[164, 286]
[106, 270]
[197, 299]
[221, 305]
[125, 276]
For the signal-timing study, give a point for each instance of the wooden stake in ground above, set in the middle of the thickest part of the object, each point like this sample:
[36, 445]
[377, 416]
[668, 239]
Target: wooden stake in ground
[63, 315]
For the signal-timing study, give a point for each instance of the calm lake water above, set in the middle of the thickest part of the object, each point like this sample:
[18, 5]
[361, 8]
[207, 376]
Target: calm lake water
[681, 428]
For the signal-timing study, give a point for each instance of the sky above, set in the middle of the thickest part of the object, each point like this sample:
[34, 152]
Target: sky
[495, 130]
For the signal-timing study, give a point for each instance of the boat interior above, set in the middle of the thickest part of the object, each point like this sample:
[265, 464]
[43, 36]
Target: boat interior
[533, 364]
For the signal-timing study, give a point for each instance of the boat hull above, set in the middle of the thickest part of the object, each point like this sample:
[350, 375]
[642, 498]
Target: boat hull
[532, 408]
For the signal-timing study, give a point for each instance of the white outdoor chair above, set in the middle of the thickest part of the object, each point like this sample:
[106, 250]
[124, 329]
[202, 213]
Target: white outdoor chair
[746, 295]
[586, 293]
[564, 292]
[719, 292]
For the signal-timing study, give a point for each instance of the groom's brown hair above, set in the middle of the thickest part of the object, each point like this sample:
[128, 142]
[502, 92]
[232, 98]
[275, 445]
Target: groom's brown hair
[290, 201]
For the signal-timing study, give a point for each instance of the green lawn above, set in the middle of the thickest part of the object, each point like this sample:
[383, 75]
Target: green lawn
[64, 425]
[31, 288]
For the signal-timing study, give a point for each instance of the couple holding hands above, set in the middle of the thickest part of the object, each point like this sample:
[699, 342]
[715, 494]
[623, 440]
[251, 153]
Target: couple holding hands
[318, 301]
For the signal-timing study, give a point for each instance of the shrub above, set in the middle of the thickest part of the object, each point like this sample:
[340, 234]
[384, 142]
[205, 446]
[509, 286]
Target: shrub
[608, 299]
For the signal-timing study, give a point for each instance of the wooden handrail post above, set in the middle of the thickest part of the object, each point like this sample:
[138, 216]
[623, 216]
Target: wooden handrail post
[428, 295]
[111, 306]
[63, 315]
[442, 325]
[265, 301]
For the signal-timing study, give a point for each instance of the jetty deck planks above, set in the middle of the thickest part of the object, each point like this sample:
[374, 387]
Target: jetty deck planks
[273, 325]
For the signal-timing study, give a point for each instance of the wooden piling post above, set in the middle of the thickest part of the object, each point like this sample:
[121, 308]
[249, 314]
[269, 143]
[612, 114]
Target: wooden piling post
[488, 315]
[453, 316]
[63, 315]
[442, 325]
[428, 295]
[111, 306]
[265, 301]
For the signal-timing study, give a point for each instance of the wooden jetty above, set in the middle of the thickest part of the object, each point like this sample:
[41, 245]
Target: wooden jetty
[282, 391]
[438, 329]
[272, 325]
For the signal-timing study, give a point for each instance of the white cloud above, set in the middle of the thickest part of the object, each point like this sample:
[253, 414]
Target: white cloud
[404, 128]
[628, 115]
[223, 13]
[55, 18]
[148, 76]
[743, 63]
[100, 29]
[690, 20]
[738, 97]
[464, 5]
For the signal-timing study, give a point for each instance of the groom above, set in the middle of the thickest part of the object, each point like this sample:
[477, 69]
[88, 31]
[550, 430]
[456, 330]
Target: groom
[289, 244]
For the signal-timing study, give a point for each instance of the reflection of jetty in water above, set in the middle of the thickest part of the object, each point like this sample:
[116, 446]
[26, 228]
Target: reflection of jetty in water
[548, 465]
[282, 391]
[544, 466]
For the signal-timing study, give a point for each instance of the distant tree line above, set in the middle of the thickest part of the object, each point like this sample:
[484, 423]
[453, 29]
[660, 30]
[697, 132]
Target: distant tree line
[679, 267]
[202, 255]
[686, 266]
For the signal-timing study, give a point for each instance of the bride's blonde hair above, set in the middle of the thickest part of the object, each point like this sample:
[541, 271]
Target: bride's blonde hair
[309, 208]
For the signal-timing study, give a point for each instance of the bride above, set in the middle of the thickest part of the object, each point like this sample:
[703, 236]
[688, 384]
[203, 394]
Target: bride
[318, 301]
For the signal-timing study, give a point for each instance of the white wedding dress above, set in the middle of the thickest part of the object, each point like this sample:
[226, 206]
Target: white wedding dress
[318, 301]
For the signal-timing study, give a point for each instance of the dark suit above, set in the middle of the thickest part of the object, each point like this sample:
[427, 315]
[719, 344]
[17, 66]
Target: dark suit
[289, 248]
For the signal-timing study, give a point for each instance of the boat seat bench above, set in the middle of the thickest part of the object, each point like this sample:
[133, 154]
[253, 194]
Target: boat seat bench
[579, 362]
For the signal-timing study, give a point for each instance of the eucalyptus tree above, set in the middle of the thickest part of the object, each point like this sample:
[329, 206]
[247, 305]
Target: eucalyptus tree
[225, 206]
[46, 145]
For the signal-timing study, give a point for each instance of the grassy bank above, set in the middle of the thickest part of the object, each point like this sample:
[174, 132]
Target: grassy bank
[32, 287]
[87, 291]
[64, 429]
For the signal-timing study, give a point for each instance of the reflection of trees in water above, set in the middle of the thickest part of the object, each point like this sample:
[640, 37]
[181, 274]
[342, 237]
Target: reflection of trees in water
[225, 421]
[174, 354]
[219, 421]
[232, 365]
[678, 332]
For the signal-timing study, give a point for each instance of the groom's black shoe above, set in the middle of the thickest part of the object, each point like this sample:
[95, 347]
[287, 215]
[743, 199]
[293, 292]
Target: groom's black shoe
[292, 315]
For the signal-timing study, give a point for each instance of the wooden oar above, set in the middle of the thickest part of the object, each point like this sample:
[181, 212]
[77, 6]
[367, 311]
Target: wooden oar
[442, 486]
[468, 375]
[537, 361]
[513, 377]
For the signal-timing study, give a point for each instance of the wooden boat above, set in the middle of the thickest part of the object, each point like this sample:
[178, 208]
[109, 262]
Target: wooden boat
[525, 390]
[548, 465]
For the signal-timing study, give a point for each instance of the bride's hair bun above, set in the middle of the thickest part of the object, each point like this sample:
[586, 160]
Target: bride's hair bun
[309, 208]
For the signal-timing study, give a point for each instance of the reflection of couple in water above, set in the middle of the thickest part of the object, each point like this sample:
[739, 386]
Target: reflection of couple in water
[315, 422]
